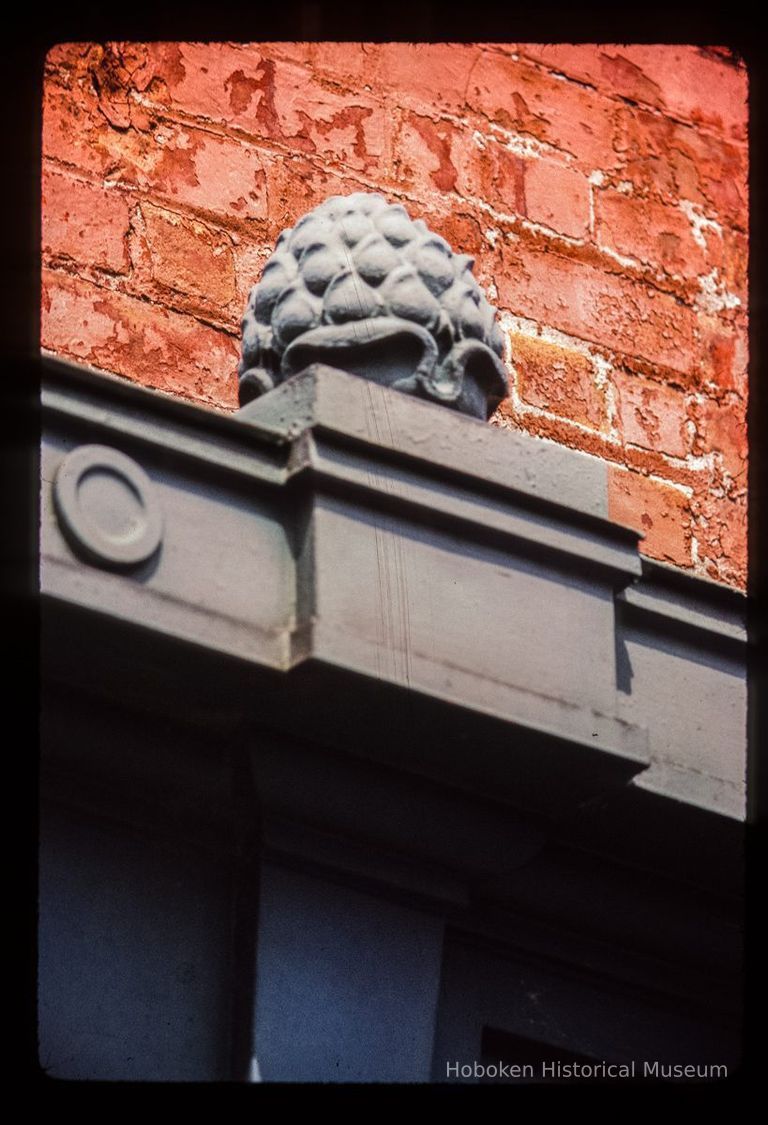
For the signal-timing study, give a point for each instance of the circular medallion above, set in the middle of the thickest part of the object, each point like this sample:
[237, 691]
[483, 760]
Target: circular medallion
[106, 507]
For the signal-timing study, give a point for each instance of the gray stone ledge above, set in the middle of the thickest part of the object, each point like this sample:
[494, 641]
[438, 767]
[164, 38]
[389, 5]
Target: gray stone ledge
[331, 401]
[367, 532]
[672, 599]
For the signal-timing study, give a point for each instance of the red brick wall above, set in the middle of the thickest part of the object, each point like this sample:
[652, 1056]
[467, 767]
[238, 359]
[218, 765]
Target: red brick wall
[602, 189]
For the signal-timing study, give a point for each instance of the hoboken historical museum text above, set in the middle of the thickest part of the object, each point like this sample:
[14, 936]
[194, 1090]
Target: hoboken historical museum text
[548, 1071]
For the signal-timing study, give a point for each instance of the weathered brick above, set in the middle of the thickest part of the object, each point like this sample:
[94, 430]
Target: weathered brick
[64, 57]
[557, 429]
[189, 256]
[651, 414]
[194, 168]
[71, 124]
[677, 161]
[145, 342]
[190, 166]
[228, 82]
[84, 222]
[431, 76]
[216, 81]
[489, 171]
[721, 427]
[594, 305]
[608, 67]
[660, 511]
[110, 67]
[558, 380]
[730, 254]
[353, 130]
[425, 160]
[435, 155]
[215, 174]
[602, 445]
[682, 81]
[462, 229]
[695, 476]
[526, 101]
[558, 197]
[651, 232]
[296, 52]
[724, 354]
[270, 98]
[720, 527]
[354, 65]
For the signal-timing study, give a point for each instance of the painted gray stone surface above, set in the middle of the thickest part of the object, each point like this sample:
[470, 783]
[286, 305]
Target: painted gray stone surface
[133, 976]
[412, 598]
[697, 755]
[223, 575]
[556, 1009]
[358, 285]
[106, 507]
[346, 986]
[428, 610]
[336, 521]
[336, 403]
[691, 693]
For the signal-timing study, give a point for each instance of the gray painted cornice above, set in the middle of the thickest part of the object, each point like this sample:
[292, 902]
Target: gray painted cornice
[338, 526]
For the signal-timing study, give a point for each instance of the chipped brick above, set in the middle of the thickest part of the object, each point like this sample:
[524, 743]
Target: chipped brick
[147, 343]
[558, 197]
[651, 414]
[661, 512]
[85, 222]
[189, 256]
[558, 380]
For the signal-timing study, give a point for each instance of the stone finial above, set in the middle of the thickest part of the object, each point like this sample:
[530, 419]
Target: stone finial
[359, 285]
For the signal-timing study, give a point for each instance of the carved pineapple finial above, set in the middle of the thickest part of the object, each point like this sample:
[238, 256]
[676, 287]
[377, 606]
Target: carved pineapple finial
[361, 286]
